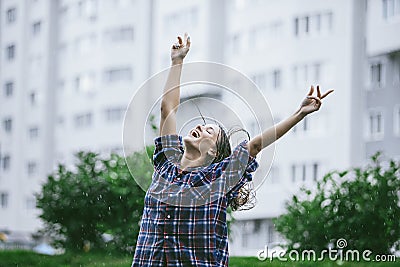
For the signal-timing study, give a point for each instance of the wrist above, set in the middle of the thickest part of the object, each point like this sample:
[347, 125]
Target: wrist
[299, 114]
[176, 61]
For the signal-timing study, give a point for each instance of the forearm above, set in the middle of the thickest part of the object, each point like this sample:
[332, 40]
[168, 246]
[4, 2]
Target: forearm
[272, 134]
[171, 93]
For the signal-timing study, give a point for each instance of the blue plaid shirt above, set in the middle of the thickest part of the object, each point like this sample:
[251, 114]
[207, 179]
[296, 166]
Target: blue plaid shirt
[184, 217]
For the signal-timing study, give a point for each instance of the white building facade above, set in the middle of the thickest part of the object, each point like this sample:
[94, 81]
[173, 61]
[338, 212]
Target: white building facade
[69, 69]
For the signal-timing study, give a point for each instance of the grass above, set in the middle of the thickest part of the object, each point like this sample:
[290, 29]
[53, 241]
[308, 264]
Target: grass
[27, 259]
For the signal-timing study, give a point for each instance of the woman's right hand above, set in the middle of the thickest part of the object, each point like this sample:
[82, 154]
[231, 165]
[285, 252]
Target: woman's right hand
[180, 49]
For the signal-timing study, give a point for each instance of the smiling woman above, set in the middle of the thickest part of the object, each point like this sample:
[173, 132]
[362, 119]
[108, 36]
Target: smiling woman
[196, 178]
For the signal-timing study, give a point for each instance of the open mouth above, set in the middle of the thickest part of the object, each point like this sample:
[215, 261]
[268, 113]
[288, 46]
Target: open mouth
[195, 134]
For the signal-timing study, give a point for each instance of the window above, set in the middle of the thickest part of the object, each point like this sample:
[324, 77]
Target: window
[396, 120]
[276, 79]
[83, 120]
[30, 203]
[302, 126]
[8, 89]
[396, 70]
[6, 162]
[273, 175]
[114, 114]
[302, 172]
[4, 200]
[85, 44]
[301, 25]
[33, 98]
[293, 173]
[36, 28]
[7, 125]
[33, 133]
[118, 75]
[10, 52]
[85, 83]
[125, 33]
[376, 74]
[315, 171]
[390, 8]
[188, 17]
[313, 24]
[260, 80]
[235, 43]
[271, 234]
[87, 9]
[375, 124]
[31, 168]
[310, 73]
[11, 15]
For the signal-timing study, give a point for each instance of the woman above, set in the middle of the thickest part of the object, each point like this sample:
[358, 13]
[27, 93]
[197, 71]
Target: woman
[195, 179]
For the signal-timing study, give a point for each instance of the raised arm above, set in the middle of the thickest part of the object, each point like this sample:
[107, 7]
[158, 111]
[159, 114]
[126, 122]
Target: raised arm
[171, 93]
[310, 104]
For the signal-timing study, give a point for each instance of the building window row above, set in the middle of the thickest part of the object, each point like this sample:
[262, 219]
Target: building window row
[121, 34]
[272, 79]
[110, 114]
[123, 74]
[305, 172]
[313, 24]
[83, 120]
[188, 17]
[260, 34]
[307, 73]
[114, 114]
[311, 73]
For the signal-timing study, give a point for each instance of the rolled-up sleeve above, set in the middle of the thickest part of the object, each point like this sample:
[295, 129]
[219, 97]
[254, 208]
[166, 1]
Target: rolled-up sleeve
[168, 149]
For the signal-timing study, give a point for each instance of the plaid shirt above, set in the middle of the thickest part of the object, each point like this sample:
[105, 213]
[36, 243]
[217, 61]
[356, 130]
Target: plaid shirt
[184, 218]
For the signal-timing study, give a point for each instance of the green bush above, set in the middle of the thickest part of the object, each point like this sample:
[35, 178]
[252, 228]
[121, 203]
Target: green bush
[360, 205]
[97, 196]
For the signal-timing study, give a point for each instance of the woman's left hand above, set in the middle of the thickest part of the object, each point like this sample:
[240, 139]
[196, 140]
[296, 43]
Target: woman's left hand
[313, 103]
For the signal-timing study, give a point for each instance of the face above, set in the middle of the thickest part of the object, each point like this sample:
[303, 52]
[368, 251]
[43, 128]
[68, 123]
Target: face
[202, 139]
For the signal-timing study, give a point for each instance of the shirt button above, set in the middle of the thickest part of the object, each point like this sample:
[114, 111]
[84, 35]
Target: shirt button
[168, 216]
[178, 178]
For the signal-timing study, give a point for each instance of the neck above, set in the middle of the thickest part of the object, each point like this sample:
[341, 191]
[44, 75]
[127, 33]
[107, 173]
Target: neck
[190, 160]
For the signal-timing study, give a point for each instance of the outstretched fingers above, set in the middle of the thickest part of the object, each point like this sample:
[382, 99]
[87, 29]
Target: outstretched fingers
[327, 93]
[311, 90]
[318, 92]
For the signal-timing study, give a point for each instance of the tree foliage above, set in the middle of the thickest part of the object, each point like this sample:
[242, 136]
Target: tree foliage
[360, 205]
[98, 196]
